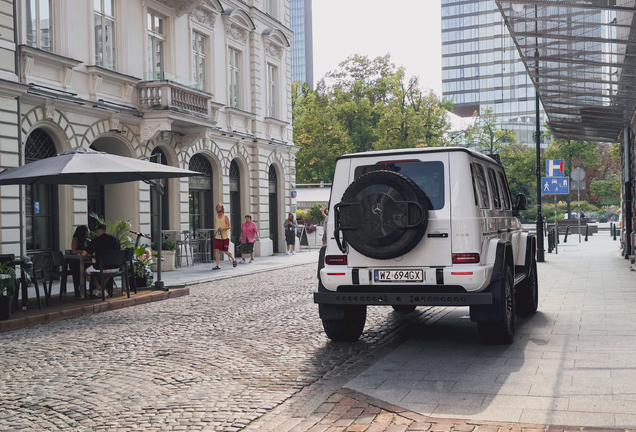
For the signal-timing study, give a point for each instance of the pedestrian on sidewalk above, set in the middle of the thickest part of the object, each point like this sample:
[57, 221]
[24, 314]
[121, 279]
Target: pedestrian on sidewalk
[78, 244]
[249, 235]
[325, 214]
[222, 236]
[290, 234]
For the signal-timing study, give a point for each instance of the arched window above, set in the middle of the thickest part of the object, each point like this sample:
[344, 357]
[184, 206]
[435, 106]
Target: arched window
[200, 195]
[40, 200]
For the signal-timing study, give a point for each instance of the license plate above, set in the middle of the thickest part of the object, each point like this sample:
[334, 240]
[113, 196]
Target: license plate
[399, 276]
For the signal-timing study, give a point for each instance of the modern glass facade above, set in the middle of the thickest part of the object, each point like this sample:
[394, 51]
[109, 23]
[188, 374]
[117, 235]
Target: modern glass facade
[481, 68]
[302, 56]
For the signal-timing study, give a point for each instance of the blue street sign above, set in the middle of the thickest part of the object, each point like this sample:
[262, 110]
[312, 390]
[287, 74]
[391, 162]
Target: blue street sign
[554, 168]
[555, 185]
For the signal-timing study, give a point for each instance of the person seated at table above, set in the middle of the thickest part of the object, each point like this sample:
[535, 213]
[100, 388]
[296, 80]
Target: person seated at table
[103, 242]
[78, 244]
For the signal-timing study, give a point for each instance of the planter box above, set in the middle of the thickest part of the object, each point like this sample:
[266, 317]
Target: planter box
[167, 264]
[5, 307]
[140, 282]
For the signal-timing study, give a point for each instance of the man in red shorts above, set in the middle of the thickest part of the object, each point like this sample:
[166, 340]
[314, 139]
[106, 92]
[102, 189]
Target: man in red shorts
[222, 236]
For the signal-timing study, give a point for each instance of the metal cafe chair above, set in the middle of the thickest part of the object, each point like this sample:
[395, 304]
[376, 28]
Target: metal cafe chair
[202, 242]
[183, 249]
[39, 275]
[59, 269]
[111, 260]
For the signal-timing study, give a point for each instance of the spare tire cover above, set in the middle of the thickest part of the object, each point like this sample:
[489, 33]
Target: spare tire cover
[378, 215]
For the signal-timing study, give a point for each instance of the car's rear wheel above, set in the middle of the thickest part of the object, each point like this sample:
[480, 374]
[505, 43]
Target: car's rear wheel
[348, 329]
[527, 292]
[501, 332]
[383, 214]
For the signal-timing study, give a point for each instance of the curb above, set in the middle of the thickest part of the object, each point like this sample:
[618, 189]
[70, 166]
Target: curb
[28, 321]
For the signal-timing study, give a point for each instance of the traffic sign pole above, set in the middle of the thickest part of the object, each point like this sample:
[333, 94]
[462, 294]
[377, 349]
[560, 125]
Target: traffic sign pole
[556, 229]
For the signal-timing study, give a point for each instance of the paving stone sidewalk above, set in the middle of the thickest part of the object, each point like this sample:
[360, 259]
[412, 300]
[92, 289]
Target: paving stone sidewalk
[570, 364]
[350, 411]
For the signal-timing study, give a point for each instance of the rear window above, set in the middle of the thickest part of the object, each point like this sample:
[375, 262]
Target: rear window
[429, 176]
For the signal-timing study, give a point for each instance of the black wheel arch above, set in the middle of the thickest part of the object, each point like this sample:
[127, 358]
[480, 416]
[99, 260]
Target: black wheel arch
[493, 312]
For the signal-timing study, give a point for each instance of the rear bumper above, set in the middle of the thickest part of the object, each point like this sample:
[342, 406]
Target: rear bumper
[472, 278]
[395, 299]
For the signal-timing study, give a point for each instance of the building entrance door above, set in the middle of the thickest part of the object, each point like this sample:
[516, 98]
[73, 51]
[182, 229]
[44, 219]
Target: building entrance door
[273, 208]
[235, 205]
[40, 200]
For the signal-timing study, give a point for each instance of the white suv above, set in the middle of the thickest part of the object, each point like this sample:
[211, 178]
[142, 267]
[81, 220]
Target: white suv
[425, 227]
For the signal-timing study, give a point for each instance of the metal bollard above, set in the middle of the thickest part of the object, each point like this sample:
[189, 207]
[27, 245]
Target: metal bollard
[615, 232]
[587, 231]
[567, 231]
[550, 241]
[611, 229]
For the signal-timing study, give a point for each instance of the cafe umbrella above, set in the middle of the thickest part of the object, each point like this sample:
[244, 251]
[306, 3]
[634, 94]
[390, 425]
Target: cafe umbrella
[83, 166]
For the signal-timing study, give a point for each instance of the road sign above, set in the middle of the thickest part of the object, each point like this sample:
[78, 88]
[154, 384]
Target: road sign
[577, 185]
[554, 168]
[577, 174]
[555, 185]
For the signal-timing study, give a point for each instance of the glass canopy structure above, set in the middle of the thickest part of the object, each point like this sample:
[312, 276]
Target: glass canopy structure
[581, 56]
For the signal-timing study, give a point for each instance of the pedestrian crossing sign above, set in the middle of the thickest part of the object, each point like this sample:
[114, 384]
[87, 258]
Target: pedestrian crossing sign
[555, 185]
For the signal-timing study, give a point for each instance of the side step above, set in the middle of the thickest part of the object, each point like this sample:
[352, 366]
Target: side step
[520, 274]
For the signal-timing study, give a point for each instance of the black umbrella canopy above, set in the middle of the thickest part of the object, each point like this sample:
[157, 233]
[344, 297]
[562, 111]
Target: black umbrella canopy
[82, 166]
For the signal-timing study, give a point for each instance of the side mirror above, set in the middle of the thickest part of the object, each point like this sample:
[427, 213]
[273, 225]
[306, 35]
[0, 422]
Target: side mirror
[520, 204]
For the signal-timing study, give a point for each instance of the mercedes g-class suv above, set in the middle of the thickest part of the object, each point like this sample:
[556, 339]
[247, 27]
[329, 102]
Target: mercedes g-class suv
[425, 227]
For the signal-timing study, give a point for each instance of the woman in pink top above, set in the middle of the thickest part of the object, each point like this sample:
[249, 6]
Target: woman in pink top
[249, 234]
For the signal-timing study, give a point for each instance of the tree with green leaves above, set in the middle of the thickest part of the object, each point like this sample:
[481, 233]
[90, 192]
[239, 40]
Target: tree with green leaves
[485, 136]
[318, 133]
[366, 104]
[608, 191]
[520, 163]
[413, 117]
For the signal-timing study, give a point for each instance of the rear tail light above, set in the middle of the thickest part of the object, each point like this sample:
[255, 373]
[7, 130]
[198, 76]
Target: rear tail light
[336, 259]
[472, 258]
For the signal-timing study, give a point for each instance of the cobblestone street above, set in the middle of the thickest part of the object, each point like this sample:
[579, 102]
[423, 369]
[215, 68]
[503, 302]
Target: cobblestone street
[218, 359]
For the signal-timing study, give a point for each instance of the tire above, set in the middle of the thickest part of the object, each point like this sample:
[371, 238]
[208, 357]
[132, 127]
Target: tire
[404, 309]
[527, 292]
[348, 329]
[381, 225]
[502, 332]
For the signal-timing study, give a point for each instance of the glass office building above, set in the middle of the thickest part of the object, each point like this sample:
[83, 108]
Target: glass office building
[481, 68]
[302, 55]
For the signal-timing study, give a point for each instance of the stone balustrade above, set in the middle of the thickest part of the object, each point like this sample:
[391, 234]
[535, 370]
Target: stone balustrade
[169, 95]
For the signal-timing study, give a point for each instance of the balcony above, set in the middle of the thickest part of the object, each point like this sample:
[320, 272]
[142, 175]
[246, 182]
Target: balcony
[178, 97]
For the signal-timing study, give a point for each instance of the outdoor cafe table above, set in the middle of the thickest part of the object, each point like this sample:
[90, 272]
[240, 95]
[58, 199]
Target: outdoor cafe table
[82, 275]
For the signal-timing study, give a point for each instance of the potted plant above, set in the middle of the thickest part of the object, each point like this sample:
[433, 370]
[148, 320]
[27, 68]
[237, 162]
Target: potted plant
[119, 229]
[141, 267]
[7, 287]
[168, 251]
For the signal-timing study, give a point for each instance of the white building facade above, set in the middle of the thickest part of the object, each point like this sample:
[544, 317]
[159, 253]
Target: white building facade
[205, 84]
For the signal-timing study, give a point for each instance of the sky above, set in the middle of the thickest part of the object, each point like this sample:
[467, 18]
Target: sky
[409, 30]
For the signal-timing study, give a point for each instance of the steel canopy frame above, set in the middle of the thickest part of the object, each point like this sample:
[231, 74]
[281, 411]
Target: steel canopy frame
[591, 46]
